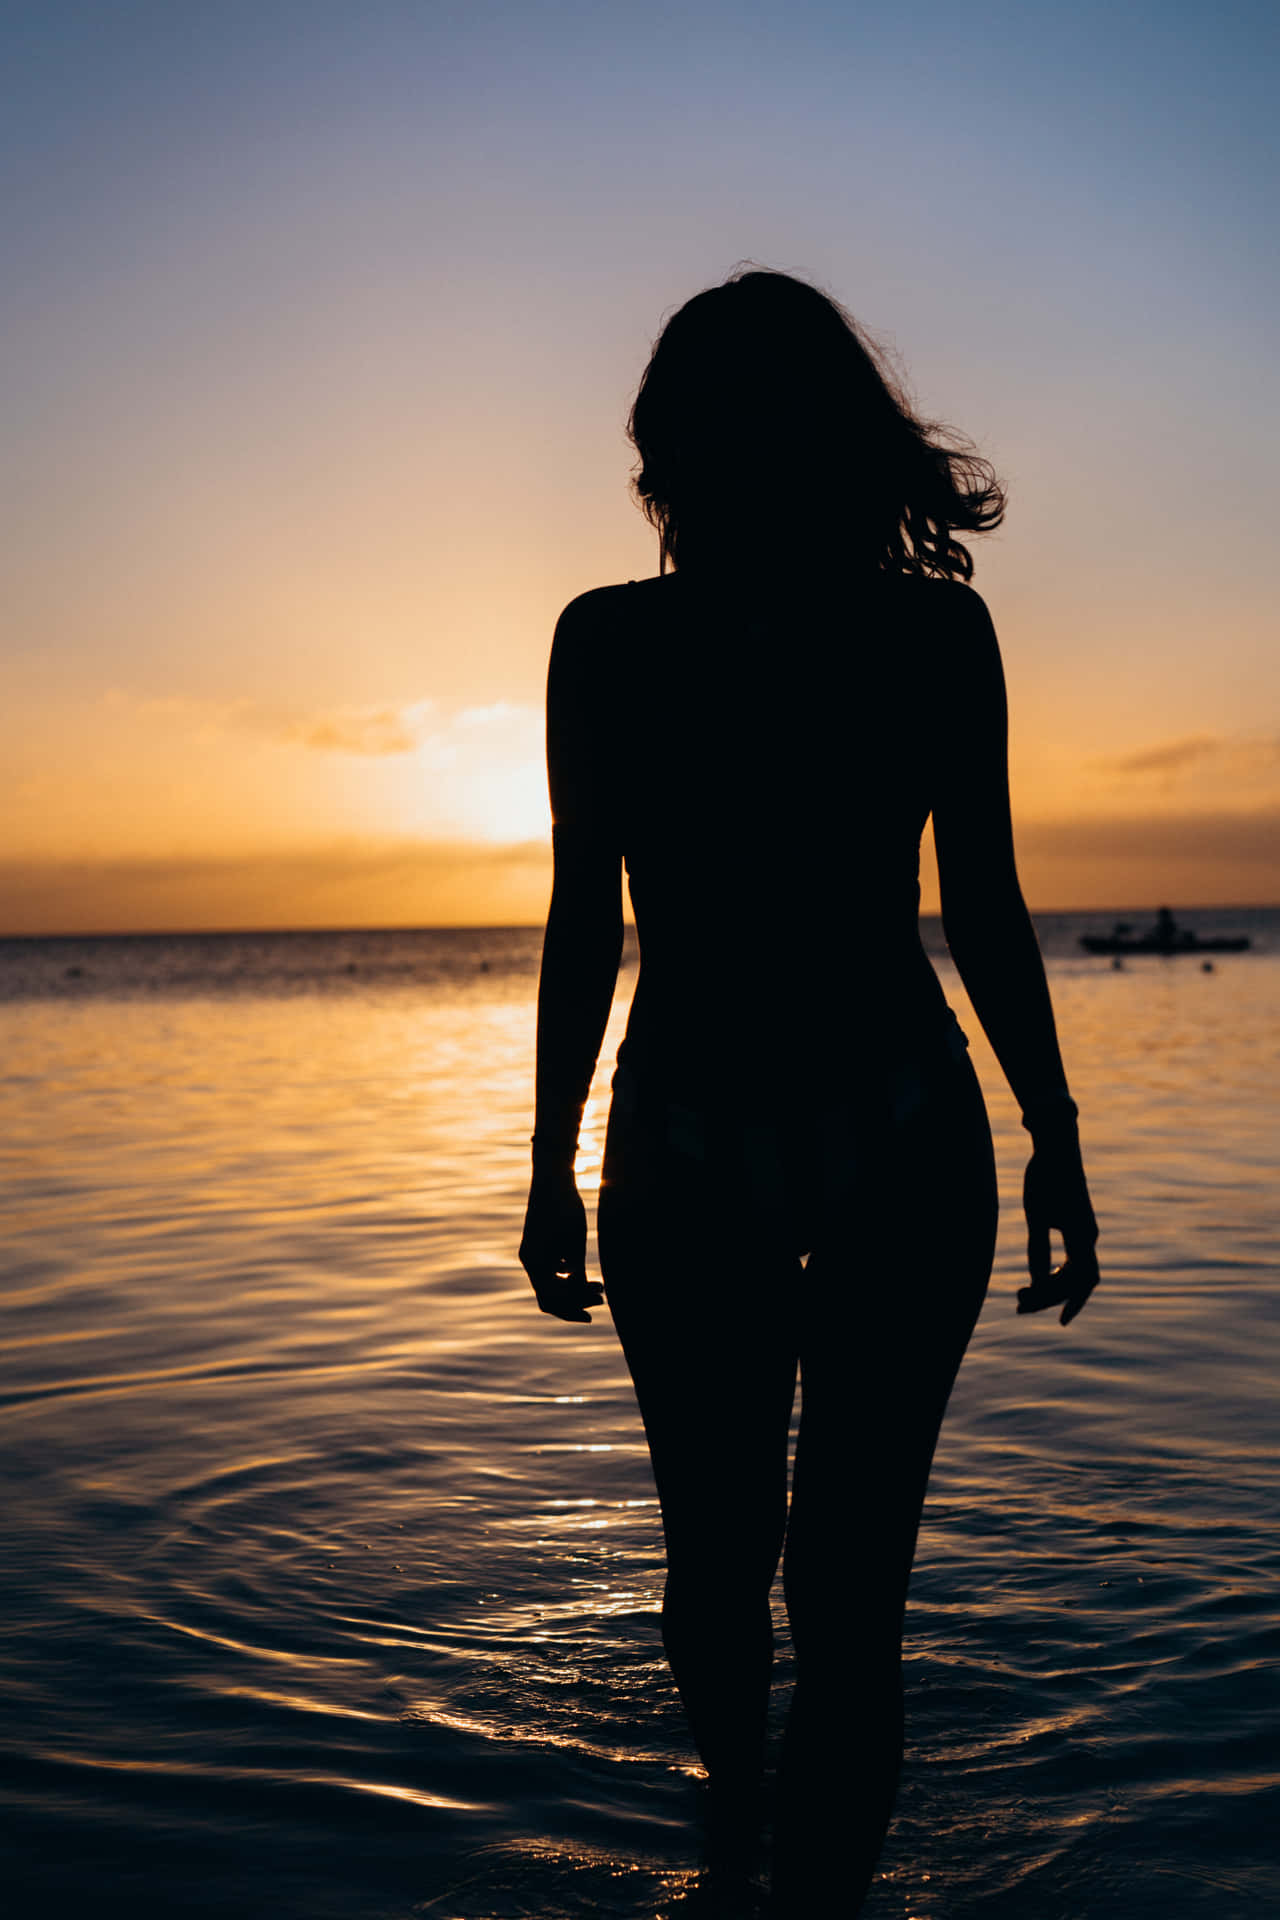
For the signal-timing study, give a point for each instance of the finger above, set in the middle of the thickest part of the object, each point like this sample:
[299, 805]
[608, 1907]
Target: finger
[1084, 1276]
[568, 1297]
[588, 1293]
[556, 1300]
[1069, 1286]
[1049, 1290]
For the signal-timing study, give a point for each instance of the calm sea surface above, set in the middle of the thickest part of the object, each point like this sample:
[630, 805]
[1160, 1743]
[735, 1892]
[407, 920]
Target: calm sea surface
[330, 1567]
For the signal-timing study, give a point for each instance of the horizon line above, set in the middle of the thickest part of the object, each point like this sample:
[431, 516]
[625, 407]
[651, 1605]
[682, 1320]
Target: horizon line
[537, 926]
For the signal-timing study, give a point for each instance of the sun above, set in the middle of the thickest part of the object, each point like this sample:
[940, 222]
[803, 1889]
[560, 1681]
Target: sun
[504, 805]
[478, 774]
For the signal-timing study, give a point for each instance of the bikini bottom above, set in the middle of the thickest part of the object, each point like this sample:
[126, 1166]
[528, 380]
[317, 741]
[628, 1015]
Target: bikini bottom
[792, 1176]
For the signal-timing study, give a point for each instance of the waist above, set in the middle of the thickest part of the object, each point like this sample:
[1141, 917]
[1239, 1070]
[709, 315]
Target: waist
[881, 1092]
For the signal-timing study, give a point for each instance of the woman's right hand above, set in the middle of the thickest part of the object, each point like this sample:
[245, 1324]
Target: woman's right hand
[1055, 1194]
[553, 1250]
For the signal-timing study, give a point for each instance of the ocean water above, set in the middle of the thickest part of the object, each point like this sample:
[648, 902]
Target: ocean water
[331, 1567]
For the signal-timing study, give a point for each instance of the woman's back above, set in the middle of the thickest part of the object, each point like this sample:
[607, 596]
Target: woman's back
[765, 761]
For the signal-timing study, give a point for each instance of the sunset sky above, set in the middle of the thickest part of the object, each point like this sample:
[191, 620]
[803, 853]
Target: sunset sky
[320, 326]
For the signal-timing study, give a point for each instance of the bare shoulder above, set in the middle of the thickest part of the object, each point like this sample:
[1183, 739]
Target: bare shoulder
[601, 610]
[955, 639]
[948, 609]
[592, 630]
[576, 646]
[589, 609]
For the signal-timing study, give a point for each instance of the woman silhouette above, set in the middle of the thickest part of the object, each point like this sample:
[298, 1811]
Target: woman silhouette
[798, 1170]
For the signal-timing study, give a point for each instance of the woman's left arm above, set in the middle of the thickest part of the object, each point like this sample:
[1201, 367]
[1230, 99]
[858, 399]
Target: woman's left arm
[580, 954]
[994, 946]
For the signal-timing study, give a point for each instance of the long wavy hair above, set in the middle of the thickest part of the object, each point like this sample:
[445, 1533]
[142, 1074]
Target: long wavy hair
[767, 424]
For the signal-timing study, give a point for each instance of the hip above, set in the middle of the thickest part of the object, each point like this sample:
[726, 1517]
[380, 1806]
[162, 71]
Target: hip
[793, 1175]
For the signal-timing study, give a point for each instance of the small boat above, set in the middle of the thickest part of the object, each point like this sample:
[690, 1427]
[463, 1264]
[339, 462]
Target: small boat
[1165, 937]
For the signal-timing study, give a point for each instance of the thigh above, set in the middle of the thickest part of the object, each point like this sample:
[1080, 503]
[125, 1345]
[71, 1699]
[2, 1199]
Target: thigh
[707, 1314]
[893, 1294]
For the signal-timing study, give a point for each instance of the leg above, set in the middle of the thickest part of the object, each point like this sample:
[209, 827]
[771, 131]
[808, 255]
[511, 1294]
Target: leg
[701, 1307]
[894, 1305]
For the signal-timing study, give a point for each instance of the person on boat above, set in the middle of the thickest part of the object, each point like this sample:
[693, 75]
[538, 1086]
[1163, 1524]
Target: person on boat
[798, 1170]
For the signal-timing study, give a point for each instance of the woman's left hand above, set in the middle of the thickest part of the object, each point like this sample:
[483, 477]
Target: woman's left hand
[1056, 1194]
[553, 1251]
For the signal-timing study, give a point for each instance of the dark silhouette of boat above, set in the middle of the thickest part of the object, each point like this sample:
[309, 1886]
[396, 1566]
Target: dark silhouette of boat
[1165, 937]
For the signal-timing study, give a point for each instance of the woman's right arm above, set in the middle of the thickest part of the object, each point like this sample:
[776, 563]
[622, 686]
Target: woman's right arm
[994, 946]
[580, 955]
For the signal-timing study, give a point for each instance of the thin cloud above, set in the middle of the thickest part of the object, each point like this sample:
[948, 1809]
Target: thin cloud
[363, 730]
[376, 882]
[418, 726]
[1208, 835]
[1208, 776]
[371, 731]
[474, 736]
[1210, 753]
[1172, 757]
